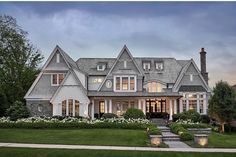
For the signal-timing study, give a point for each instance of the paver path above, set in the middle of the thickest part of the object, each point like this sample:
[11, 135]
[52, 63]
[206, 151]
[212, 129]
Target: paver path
[172, 139]
[59, 146]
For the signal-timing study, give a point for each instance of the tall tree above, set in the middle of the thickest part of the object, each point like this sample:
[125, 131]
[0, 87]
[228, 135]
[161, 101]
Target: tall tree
[222, 105]
[19, 61]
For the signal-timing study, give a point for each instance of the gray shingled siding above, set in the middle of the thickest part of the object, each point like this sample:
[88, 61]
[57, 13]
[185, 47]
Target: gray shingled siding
[104, 88]
[35, 105]
[53, 65]
[92, 85]
[43, 88]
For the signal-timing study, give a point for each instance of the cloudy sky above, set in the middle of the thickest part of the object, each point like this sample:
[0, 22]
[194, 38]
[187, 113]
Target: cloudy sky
[160, 29]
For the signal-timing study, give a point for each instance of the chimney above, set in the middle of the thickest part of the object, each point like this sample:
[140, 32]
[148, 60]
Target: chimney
[203, 64]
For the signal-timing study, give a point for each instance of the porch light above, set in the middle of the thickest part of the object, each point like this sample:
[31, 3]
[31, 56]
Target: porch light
[201, 139]
[156, 139]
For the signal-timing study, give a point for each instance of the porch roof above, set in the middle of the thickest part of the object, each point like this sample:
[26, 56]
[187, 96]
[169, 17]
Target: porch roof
[133, 94]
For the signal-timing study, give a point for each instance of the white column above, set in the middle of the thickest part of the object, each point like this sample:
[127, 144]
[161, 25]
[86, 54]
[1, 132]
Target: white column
[180, 105]
[144, 106]
[106, 106]
[129, 104]
[175, 106]
[204, 104]
[171, 112]
[198, 103]
[187, 103]
[139, 104]
[73, 108]
[110, 106]
[92, 110]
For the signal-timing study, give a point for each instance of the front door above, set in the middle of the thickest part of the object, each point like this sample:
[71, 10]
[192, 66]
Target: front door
[156, 107]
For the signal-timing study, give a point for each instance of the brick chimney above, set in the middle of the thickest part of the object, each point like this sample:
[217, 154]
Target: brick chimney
[203, 64]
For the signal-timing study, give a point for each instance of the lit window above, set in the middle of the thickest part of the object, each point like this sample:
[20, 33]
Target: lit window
[191, 77]
[201, 106]
[64, 108]
[147, 66]
[117, 83]
[101, 107]
[97, 80]
[154, 87]
[124, 83]
[70, 103]
[132, 84]
[76, 108]
[58, 58]
[159, 65]
[57, 79]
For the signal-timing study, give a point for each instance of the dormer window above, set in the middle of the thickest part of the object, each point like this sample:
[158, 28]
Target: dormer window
[101, 67]
[159, 66]
[146, 66]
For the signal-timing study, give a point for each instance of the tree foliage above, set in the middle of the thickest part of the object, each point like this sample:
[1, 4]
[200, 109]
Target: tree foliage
[17, 110]
[19, 61]
[222, 105]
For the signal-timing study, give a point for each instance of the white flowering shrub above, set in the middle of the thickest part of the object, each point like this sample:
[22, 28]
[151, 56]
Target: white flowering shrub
[71, 122]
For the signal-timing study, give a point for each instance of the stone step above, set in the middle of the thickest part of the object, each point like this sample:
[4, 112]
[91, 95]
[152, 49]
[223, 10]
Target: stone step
[170, 138]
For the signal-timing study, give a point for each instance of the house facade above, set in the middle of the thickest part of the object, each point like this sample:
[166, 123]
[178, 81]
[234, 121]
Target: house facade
[90, 87]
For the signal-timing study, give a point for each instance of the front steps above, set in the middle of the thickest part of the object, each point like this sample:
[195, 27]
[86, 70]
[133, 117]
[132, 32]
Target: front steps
[167, 135]
[158, 121]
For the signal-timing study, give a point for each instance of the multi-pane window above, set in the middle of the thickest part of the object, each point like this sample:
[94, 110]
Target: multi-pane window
[155, 87]
[70, 103]
[70, 107]
[76, 108]
[64, 108]
[57, 79]
[101, 107]
[132, 84]
[201, 106]
[184, 105]
[147, 66]
[125, 83]
[193, 104]
[159, 65]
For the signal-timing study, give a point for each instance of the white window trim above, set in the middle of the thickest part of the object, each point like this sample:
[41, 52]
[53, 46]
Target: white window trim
[103, 67]
[148, 64]
[58, 58]
[162, 66]
[57, 79]
[120, 76]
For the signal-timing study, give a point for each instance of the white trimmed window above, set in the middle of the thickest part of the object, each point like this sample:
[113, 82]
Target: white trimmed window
[101, 67]
[146, 66]
[56, 79]
[124, 83]
[58, 58]
[159, 66]
[155, 87]
[70, 108]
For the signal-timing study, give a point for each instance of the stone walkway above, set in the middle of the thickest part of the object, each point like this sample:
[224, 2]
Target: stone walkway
[171, 139]
[59, 146]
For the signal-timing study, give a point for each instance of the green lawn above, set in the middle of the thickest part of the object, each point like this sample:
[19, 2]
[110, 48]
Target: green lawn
[115, 137]
[217, 140]
[29, 152]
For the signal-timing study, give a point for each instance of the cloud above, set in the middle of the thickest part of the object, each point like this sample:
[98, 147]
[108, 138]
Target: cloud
[162, 29]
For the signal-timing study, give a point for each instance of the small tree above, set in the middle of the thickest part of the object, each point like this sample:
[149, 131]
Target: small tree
[17, 110]
[222, 105]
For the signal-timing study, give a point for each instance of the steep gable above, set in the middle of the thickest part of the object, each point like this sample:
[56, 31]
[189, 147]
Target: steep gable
[184, 79]
[119, 67]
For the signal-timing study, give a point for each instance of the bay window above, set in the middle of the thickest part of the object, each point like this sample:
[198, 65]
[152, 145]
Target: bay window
[125, 83]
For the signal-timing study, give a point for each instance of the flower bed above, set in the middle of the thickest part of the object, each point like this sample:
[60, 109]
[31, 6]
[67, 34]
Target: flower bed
[70, 122]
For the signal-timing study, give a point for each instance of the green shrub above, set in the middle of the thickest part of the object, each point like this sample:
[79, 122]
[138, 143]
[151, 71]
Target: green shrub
[205, 119]
[176, 117]
[134, 113]
[153, 130]
[17, 110]
[191, 114]
[109, 115]
[186, 136]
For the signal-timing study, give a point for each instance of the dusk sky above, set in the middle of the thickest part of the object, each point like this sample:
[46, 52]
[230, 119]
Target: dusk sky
[160, 29]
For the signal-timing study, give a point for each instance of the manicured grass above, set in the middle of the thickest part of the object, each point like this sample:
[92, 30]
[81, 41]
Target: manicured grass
[115, 137]
[29, 152]
[217, 140]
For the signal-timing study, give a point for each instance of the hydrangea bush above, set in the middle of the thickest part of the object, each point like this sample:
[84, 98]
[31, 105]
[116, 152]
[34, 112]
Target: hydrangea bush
[71, 122]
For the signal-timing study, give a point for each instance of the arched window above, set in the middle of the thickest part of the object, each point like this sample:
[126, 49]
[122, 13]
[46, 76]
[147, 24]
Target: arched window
[154, 87]
[70, 107]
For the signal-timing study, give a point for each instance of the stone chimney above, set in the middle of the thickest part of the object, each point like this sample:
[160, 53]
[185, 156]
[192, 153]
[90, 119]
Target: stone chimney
[203, 64]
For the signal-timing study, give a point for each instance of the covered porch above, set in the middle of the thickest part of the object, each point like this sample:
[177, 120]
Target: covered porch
[152, 107]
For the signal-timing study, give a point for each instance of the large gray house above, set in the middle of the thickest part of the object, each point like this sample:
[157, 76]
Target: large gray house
[91, 87]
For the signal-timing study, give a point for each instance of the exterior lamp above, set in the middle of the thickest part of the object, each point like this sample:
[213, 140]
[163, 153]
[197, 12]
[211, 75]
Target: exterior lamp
[201, 139]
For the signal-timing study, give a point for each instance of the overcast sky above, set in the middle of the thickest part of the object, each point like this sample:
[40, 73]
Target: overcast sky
[160, 29]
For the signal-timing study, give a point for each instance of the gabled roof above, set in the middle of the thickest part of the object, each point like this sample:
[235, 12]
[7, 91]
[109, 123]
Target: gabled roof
[124, 49]
[183, 71]
[68, 60]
